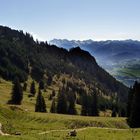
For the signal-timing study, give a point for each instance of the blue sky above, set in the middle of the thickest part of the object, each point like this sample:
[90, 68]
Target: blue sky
[74, 19]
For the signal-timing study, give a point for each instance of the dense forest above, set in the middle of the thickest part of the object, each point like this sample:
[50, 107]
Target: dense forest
[21, 56]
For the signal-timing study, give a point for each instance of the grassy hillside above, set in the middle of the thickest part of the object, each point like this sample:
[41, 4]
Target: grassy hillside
[29, 103]
[56, 127]
[76, 70]
[22, 119]
[30, 124]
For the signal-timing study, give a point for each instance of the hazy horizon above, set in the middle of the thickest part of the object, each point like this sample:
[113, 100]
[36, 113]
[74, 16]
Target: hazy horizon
[74, 20]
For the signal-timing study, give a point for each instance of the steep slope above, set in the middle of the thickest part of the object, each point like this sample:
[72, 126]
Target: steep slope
[111, 55]
[21, 56]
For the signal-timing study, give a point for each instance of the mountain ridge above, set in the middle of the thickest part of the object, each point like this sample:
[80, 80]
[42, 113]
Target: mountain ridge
[20, 52]
[110, 54]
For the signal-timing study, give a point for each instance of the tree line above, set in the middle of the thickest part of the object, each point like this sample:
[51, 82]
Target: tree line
[64, 102]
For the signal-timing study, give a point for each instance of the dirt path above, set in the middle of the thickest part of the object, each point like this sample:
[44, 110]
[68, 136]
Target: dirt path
[81, 129]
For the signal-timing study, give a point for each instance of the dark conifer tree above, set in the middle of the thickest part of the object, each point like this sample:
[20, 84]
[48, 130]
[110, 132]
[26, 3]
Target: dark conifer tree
[122, 112]
[129, 102]
[24, 86]
[84, 109]
[40, 103]
[71, 107]
[49, 81]
[53, 107]
[94, 105]
[41, 85]
[134, 119]
[32, 88]
[62, 102]
[17, 93]
[114, 113]
[89, 105]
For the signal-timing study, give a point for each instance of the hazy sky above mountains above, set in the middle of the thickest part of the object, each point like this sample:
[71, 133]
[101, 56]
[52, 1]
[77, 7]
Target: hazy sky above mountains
[73, 19]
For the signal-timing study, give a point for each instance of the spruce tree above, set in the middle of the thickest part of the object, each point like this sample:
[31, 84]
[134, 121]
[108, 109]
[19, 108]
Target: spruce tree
[94, 105]
[24, 86]
[89, 105]
[71, 107]
[49, 80]
[84, 109]
[41, 85]
[32, 88]
[53, 107]
[122, 112]
[40, 103]
[17, 93]
[134, 119]
[114, 113]
[62, 102]
[129, 102]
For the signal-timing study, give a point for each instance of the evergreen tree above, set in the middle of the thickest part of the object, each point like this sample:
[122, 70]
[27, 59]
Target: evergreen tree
[94, 105]
[17, 93]
[134, 119]
[24, 86]
[53, 107]
[122, 112]
[40, 103]
[84, 109]
[49, 81]
[32, 88]
[41, 85]
[71, 107]
[114, 113]
[129, 102]
[89, 105]
[62, 102]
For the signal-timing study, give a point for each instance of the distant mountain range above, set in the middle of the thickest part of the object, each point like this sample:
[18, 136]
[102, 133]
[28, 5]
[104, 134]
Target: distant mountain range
[119, 58]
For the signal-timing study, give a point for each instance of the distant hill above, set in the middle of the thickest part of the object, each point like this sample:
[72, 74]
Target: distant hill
[111, 55]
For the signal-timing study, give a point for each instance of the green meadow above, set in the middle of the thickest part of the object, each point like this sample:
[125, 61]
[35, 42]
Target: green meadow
[28, 125]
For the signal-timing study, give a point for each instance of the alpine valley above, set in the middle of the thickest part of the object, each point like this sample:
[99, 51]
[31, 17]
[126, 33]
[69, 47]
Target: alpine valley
[120, 58]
